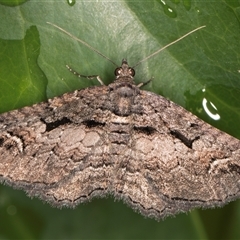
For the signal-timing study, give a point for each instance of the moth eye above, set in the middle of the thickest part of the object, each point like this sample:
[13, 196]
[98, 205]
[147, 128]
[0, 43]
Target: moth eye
[117, 71]
[131, 72]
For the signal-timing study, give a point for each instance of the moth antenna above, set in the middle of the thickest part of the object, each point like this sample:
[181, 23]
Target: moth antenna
[81, 41]
[146, 58]
[161, 49]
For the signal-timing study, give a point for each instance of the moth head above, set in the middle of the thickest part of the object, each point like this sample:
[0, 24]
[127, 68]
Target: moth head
[124, 70]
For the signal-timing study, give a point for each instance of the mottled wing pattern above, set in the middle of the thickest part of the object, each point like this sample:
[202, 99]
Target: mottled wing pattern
[157, 157]
[179, 162]
[56, 150]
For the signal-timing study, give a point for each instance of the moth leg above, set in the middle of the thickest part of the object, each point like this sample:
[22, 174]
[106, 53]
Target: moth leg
[145, 83]
[88, 77]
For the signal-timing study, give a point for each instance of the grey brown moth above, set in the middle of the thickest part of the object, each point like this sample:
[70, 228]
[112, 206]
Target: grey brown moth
[118, 139]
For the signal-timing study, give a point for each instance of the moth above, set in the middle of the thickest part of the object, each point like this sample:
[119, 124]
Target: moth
[139, 147]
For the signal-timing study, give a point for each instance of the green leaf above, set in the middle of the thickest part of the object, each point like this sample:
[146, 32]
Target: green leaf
[205, 65]
[12, 3]
[25, 83]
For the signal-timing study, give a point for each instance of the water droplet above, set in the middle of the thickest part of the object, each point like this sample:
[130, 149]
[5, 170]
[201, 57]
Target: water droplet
[71, 2]
[210, 109]
[168, 10]
[197, 10]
